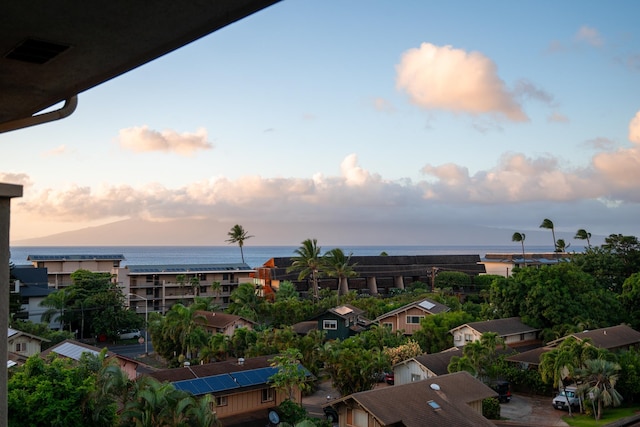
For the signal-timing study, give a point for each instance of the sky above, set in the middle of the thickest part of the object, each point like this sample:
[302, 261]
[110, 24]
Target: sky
[309, 114]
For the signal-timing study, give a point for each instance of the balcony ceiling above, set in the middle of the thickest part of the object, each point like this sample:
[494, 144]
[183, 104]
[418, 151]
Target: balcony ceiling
[51, 51]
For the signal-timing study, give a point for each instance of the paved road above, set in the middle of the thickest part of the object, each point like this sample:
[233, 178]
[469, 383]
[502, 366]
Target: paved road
[534, 411]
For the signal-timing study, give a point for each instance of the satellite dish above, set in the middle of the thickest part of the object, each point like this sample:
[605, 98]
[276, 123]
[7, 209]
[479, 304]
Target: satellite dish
[435, 387]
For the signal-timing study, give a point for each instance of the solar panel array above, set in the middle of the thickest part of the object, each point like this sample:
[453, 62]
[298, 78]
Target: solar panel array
[229, 381]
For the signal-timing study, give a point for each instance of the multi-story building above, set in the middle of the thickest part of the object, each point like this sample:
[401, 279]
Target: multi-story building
[60, 267]
[158, 287]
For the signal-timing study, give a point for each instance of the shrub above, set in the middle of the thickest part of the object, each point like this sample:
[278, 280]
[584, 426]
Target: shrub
[491, 408]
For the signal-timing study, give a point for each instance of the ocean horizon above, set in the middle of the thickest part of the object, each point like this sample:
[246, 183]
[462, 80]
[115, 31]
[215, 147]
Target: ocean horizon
[254, 256]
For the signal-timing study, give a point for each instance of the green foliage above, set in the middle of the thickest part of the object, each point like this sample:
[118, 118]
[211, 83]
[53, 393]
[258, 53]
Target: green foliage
[452, 279]
[42, 330]
[291, 412]
[481, 358]
[598, 379]
[526, 380]
[629, 379]
[245, 302]
[286, 290]
[290, 375]
[491, 408]
[484, 281]
[630, 300]
[53, 394]
[554, 295]
[433, 335]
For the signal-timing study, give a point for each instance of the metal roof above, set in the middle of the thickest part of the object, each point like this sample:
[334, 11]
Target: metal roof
[188, 268]
[73, 351]
[118, 257]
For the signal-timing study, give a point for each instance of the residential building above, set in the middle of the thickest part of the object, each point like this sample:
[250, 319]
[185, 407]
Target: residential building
[158, 287]
[217, 322]
[511, 329]
[503, 264]
[71, 349]
[342, 322]
[448, 400]
[375, 274]
[424, 366]
[33, 286]
[241, 388]
[24, 344]
[407, 318]
[614, 338]
[60, 267]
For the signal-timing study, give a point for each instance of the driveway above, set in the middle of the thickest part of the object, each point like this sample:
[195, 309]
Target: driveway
[534, 411]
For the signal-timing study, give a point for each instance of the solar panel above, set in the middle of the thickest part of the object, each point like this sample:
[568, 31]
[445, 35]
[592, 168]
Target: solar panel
[73, 351]
[221, 383]
[427, 304]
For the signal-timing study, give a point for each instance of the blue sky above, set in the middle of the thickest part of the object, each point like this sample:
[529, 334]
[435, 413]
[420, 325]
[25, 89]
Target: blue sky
[420, 113]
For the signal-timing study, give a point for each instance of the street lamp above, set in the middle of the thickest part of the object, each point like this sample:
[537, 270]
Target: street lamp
[146, 319]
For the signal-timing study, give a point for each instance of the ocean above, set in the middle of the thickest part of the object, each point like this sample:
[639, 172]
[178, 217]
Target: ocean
[255, 256]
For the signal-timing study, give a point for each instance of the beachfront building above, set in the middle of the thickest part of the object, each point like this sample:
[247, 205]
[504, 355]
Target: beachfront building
[503, 264]
[158, 287]
[375, 274]
[60, 267]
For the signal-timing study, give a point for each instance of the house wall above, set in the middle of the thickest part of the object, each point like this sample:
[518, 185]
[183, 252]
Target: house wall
[407, 372]
[514, 339]
[465, 335]
[32, 346]
[399, 320]
[342, 331]
[59, 272]
[249, 401]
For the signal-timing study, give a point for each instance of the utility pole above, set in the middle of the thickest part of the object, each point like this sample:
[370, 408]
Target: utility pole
[434, 271]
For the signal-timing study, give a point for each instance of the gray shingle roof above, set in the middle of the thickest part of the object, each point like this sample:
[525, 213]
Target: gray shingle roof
[502, 327]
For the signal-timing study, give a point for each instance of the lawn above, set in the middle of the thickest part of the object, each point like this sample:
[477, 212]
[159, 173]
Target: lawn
[609, 415]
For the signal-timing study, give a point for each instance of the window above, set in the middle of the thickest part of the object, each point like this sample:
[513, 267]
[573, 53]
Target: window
[468, 337]
[388, 325]
[360, 418]
[267, 394]
[21, 346]
[458, 338]
[414, 319]
[150, 279]
[149, 291]
[415, 377]
[330, 324]
[221, 401]
[521, 337]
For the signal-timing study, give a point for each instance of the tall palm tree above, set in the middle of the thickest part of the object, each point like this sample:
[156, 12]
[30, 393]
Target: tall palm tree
[600, 377]
[336, 264]
[519, 237]
[562, 246]
[238, 235]
[548, 224]
[583, 234]
[557, 366]
[307, 263]
[56, 302]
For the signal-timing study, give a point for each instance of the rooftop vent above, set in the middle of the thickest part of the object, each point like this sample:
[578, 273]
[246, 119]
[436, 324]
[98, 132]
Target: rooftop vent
[434, 386]
[241, 361]
[36, 51]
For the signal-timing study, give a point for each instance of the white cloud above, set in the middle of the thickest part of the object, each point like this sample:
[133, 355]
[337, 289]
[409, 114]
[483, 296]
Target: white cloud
[451, 79]
[589, 35]
[58, 151]
[634, 129]
[142, 139]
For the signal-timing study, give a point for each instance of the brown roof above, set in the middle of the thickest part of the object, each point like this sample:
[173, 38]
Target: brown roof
[426, 305]
[438, 363]
[531, 357]
[218, 319]
[441, 401]
[210, 369]
[503, 327]
[305, 327]
[609, 338]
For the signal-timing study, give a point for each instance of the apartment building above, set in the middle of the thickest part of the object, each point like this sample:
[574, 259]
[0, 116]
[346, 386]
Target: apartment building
[60, 267]
[158, 287]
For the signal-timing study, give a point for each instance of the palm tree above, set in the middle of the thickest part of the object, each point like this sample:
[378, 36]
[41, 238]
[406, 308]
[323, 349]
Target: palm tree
[56, 303]
[336, 264]
[562, 246]
[558, 366]
[519, 237]
[600, 377]
[307, 263]
[181, 326]
[548, 224]
[238, 235]
[583, 234]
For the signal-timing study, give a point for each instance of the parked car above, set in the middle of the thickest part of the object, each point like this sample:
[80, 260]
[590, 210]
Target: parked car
[567, 396]
[389, 378]
[130, 334]
[503, 389]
